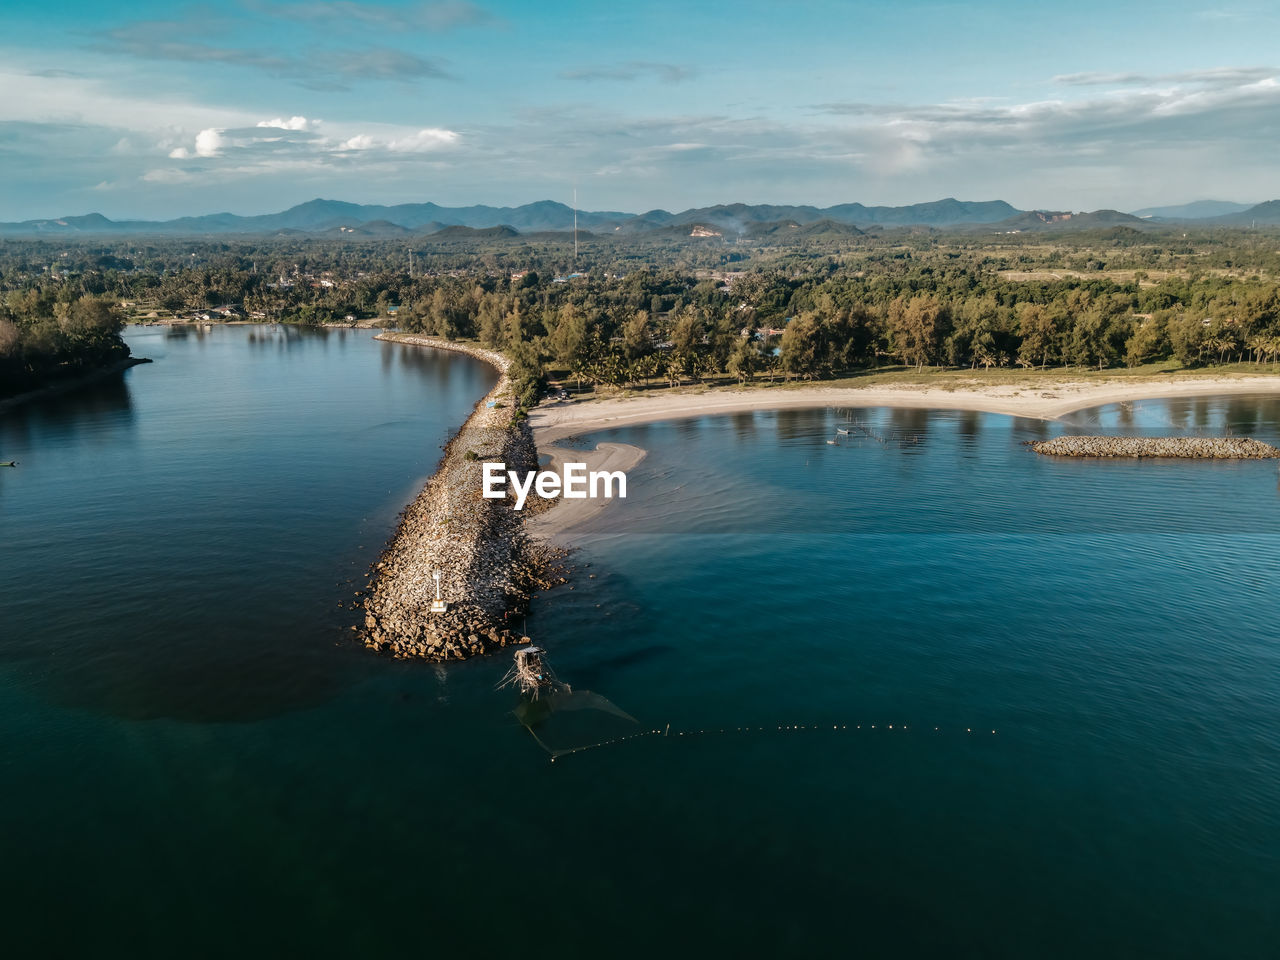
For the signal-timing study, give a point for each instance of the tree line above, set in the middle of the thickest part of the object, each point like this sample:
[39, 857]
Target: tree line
[629, 315]
[44, 338]
[655, 325]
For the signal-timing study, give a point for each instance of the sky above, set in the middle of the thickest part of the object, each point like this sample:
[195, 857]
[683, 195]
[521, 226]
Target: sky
[159, 110]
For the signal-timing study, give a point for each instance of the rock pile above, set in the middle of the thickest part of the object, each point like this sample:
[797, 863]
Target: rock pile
[1192, 448]
[489, 568]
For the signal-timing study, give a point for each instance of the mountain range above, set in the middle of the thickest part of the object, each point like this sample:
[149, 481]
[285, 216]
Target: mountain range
[1198, 210]
[338, 218]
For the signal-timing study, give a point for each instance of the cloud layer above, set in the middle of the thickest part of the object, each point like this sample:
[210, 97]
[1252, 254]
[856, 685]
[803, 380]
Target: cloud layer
[386, 101]
[317, 69]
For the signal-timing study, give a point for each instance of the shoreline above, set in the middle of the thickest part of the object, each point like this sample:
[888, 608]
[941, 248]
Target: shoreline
[1047, 401]
[552, 421]
[259, 322]
[554, 523]
[556, 421]
[489, 567]
[75, 383]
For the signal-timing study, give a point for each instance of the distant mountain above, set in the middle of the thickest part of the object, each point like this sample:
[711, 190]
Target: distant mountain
[90, 223]
[939, 213]
[1198, 210]
[318, 216]
[456, 232]
[738, 217]
[356, 220]
[1264, 214]
[1064, 220]
[829, 229]
[820, 229]
[731, 220]
[370, 228]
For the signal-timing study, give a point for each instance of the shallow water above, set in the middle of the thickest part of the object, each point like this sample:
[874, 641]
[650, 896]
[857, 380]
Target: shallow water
[196, 759]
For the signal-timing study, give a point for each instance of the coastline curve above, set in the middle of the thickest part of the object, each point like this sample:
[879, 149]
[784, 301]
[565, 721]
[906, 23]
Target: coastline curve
[488, 566]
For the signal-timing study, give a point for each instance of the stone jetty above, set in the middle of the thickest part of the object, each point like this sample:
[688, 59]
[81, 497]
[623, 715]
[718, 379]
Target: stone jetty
[1186, 448]
[489, 567]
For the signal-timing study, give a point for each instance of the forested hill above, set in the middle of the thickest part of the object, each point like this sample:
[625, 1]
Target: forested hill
[320, 216]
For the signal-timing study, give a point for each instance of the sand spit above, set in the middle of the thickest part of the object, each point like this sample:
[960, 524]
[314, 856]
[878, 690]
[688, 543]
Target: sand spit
[489, 566]
[553, 523]
[1046, 400]
[1185, 448]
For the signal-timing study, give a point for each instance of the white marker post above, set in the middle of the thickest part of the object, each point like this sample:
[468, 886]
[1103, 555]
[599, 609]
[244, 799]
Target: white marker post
[438, 605]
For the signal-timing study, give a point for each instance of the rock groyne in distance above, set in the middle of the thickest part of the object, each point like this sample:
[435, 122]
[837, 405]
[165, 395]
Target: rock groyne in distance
[1187, 448]
[489, 567]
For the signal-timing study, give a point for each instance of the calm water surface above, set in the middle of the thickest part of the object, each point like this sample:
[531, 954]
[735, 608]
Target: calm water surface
[195, 760]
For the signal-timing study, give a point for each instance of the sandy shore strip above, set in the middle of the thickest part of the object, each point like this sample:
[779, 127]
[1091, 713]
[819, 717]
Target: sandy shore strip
[553, 523]
[557, 420]
[1048, 401]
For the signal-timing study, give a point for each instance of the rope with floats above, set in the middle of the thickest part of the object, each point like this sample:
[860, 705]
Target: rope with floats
[718, 731]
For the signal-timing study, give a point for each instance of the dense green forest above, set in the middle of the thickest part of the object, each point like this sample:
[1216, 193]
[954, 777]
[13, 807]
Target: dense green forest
[648, 311]
[50, 333]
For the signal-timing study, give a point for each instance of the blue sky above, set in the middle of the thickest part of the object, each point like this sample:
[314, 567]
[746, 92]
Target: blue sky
[158, 110]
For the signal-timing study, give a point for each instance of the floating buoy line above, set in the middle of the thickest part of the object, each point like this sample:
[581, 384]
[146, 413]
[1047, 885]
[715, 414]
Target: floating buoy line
[667, 732]
[543, 694]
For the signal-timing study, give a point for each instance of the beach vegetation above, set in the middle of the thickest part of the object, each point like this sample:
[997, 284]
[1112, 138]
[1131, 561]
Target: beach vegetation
[45, 338]
[646, 313]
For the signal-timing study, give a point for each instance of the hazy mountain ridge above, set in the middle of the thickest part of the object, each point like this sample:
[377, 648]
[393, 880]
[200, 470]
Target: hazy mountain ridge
[321, 216]
[1059, 220]
[1196, 210]
[337, 217]
[1263, 214]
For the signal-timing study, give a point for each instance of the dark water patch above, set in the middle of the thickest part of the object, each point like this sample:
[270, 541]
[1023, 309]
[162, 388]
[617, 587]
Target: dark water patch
[1116, 627]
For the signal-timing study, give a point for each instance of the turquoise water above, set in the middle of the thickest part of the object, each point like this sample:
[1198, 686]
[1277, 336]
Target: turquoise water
[197, 761]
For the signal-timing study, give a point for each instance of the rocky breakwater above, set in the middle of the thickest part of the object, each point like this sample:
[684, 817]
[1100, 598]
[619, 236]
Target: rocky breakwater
[1186, 448]
[489, 568]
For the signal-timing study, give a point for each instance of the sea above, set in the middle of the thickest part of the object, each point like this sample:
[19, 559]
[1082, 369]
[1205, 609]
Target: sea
[913, 692]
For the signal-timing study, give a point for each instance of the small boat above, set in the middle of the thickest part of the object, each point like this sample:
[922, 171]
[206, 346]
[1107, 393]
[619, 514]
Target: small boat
[8, 463]
[834, 443]
[842, 431]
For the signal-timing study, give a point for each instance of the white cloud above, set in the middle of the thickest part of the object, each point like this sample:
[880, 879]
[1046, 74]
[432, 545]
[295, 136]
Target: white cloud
[431, 138]
[208, 142]
[293, 123]
[269, 147]
[1115, 139]
[421, 141]
[89, 101]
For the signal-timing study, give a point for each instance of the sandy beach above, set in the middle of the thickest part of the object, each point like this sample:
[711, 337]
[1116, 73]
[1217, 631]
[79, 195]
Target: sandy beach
[556, 420]
[1047, 401]
[552, 523]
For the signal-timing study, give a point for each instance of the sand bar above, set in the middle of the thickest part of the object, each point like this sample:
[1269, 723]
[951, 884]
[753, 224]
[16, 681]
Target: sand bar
[554, 522]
